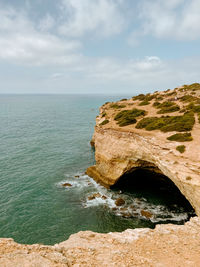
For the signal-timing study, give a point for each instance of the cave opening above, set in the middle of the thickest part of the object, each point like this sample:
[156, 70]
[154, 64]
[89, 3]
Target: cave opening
[159, 193]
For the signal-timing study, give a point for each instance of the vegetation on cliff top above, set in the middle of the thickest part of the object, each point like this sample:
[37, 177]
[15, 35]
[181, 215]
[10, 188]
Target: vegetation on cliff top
[171, 109]
[180, 137]
[104, 122]
[190, 87]
[168, 123]
[181, 148]
[185, 99]
[166, 107]
[144, 103]
[127, 117]
[117, 106]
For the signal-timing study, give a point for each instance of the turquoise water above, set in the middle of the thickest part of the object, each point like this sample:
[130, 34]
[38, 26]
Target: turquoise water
[44, 142]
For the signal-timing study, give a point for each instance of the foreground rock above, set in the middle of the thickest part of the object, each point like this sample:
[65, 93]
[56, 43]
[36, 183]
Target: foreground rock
[120, 149]
[166, 245]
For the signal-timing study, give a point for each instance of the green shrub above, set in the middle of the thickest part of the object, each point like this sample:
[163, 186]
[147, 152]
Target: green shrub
[139, 97]
[127, 117]
[168, 123]
[166, 104]
[166, 107]
[144, 103]
[142, 97]
[159, 98]
[188, 98]
[181, 149]
[193, 107]
[192, 87]
[156, 103]
[116, 106]
[173, 108]
[183, 110]
[104, 122]
[149, 97]
[123, 99]
[103, 114]
[172, 93]
[180, 137]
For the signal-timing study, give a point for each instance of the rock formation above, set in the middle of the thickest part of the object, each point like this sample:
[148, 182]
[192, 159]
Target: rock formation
[127, 141]
[166, 245]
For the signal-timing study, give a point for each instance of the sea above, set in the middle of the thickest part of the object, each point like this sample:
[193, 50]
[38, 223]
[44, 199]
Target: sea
[44, 144]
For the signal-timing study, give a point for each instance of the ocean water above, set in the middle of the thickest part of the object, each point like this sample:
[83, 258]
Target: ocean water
[44, 143]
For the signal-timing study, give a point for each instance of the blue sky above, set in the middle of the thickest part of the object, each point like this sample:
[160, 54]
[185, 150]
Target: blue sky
[98, 46]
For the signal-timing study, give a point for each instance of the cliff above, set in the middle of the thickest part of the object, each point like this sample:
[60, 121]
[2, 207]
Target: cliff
[158, 131]
[167, 245]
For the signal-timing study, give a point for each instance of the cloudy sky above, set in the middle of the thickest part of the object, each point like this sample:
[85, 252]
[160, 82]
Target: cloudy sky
[98, 46]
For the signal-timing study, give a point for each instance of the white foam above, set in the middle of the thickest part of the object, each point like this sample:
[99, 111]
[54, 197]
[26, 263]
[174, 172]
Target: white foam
[78, 182]
[132, 207]
[99, 201]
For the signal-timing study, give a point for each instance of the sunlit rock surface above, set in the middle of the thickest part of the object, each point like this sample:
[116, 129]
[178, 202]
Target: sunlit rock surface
[119, 150]
[166, 245]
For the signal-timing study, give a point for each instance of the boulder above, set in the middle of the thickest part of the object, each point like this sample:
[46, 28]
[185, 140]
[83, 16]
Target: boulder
[146, 214]
[96, 195]
[119, 201]
[67, 184]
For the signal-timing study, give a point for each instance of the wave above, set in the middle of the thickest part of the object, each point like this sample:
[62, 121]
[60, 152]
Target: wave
[94, 195]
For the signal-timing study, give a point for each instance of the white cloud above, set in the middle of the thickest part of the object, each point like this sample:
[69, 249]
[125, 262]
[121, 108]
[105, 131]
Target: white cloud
[102, 17]
[109, 75]
[25, 42]
[46, 23]
[176, 19]
[103, 70]
[20, 42]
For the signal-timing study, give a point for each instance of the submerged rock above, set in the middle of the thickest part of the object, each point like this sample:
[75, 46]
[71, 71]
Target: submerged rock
[119, 202]
[146, 214]
[126, 214]
[67, 184]
[114, 209]
[96, 195]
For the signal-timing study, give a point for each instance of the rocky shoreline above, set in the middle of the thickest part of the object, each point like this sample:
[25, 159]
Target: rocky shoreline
[166, 245]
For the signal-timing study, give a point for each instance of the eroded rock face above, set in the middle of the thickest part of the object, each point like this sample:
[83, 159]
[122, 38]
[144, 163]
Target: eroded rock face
[118, 150]
[166, 245]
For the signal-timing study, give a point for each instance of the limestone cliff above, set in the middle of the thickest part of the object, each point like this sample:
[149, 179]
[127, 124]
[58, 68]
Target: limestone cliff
[122, 143]
[167, 245]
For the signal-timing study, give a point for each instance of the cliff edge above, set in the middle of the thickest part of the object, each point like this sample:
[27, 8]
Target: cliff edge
[166, 245]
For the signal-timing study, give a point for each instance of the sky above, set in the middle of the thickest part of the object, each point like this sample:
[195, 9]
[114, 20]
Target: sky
[98, 46]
